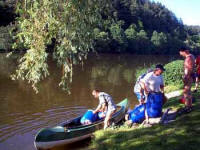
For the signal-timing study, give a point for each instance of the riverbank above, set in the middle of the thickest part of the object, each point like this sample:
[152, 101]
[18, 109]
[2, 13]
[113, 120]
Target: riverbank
[182, 133]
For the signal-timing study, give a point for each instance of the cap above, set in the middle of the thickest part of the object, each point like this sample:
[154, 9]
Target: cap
[159, 66]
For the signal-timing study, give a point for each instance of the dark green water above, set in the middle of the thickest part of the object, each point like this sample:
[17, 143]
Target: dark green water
[23, 112]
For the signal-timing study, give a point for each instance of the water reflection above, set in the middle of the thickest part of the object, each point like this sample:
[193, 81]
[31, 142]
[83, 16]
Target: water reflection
[23, 112]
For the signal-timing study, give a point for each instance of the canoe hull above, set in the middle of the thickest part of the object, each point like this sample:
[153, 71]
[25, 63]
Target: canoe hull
[51, 144]
[60, 135]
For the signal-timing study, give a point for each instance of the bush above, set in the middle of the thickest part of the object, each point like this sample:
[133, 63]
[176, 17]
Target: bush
[173, 73]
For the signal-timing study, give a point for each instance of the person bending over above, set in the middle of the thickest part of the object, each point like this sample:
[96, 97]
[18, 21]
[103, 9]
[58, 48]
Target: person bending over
[105, 103]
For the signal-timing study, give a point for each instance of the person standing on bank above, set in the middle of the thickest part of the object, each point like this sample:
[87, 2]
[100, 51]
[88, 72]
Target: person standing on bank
[105, 104]
[153, 86]
[189, 68]
[197, 61]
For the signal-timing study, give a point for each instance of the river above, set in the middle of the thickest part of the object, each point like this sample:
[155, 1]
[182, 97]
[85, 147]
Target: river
[23, 112]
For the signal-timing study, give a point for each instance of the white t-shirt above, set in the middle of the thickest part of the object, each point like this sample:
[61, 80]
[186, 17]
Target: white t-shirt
[104, 97]
[153, 82]
[137, 87]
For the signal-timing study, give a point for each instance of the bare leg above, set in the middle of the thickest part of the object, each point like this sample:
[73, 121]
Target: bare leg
[187, 95]
[107, 119]
[197, 83]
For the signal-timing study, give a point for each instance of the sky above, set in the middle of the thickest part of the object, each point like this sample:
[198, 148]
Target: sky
[187, 10]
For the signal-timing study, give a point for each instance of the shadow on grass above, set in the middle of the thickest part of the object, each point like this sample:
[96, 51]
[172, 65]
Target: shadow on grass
[182, 134]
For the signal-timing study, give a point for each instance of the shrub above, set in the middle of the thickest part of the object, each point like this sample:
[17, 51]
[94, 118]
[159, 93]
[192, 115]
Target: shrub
[173, 73]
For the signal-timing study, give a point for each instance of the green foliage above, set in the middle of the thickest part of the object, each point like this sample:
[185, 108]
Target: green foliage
[158, 39]
[5, 38]
[174, 72]
[75, 27]
[118, 35]
[142, 27]
[69, 23]
[131, 32]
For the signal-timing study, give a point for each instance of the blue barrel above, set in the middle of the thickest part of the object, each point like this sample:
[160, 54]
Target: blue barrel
[89, 116]
[137, 115]
[154, 105]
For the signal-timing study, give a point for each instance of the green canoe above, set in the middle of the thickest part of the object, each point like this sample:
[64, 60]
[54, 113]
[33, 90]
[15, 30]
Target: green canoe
[72, 130]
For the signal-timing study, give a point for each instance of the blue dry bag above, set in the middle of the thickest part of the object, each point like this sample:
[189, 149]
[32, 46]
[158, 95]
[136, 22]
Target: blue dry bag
[89, 116]
[137, 115]
[154, 105]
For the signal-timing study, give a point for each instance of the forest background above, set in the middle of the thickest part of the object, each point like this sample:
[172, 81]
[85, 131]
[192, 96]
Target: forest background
[140, 27]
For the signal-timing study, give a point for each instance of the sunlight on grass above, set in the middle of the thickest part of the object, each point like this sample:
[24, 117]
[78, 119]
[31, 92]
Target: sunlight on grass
[182, 134]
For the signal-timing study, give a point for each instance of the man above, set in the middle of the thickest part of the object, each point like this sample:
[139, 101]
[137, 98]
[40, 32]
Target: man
[153, 86]
[189, 66]
[138, 90]
[197, 61]
[153, 81]
[105, 104]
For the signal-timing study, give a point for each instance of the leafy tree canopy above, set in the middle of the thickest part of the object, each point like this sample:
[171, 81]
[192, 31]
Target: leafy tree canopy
[66, 24]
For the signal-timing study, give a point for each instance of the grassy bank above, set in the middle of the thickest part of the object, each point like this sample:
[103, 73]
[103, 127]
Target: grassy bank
[181, 134]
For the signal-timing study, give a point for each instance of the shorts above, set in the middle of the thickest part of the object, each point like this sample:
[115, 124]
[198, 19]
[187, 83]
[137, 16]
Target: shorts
[111, 110]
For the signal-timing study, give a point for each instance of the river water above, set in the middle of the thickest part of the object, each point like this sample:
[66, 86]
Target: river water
[23, 112]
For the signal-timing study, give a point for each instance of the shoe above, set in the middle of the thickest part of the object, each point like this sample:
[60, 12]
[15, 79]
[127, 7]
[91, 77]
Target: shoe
[184, 110]
[188, 109]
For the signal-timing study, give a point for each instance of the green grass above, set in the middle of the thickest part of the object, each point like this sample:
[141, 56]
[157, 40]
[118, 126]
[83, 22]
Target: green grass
[182, 134]
[172, 88]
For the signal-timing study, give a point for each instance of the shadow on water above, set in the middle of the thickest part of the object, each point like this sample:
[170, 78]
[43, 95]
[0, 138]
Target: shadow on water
[24, 113]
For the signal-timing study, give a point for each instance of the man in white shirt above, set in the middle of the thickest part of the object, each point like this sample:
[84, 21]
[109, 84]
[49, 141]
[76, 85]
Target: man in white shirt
[153, 81]
[105, 104]
[153, 86]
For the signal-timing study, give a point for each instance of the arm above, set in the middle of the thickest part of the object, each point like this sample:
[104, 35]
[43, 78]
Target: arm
[144, 88]
[189, 65]
[162, 88]
[141, 93]
[99, 107]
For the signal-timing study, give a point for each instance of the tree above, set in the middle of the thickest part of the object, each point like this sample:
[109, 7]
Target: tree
[102, 40]
[143, 42]
[69, 23]
[131, 32]
[118, 36]
[159, 40]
